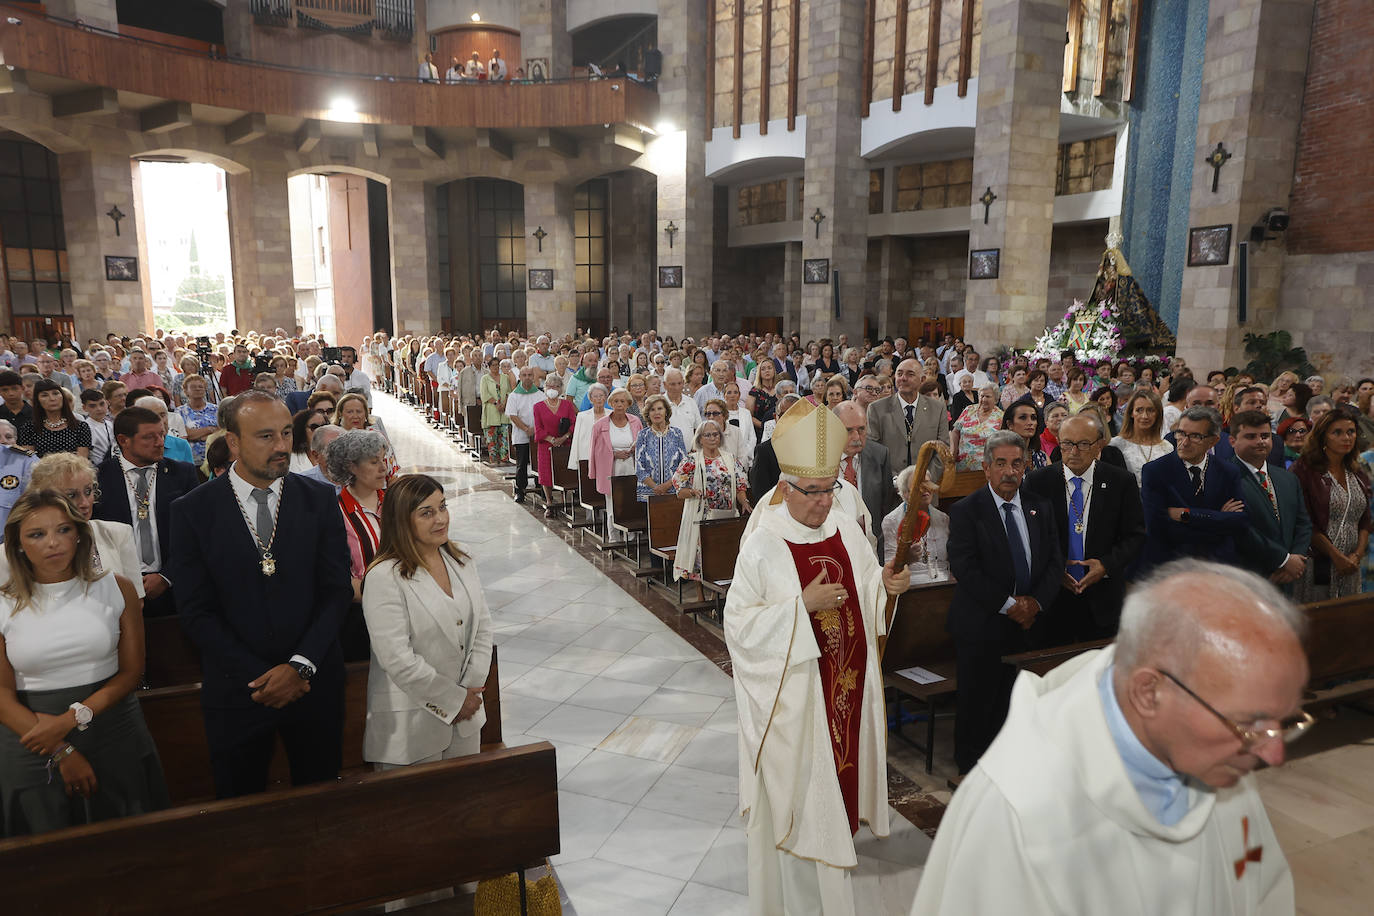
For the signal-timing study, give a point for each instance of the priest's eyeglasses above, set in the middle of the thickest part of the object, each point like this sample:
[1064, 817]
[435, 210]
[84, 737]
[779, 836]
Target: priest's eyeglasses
[822, 491]
[1289, 729]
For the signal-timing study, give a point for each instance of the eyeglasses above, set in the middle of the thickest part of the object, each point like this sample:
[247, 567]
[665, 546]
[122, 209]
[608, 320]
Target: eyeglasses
[1081, 446]
[1194, 437]
[870, 389]
[713, 413]
[1289, 729]
[824, 491]
[91, 491]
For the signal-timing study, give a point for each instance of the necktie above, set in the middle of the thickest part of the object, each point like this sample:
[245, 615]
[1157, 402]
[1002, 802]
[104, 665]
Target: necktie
[910, 417]
[1019, 561]
[1076, 528]
[143, 521]
[1269, 492]
[264, 522]
[1196, 473]
[850, 474]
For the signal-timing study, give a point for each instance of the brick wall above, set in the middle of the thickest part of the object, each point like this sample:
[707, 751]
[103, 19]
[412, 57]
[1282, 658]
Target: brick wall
[1333, 190]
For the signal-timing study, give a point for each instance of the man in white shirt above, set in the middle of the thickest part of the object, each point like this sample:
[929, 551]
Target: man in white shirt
[474, 69]
[496, 68]
[722, 371]
[685, 415]
[454, 74]
[354, 378]
[520, 409]
[980, 378]
[1132, 766]
[428, 72]
[542, 358]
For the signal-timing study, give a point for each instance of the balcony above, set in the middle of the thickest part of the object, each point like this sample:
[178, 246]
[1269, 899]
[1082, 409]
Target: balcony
[87, 71]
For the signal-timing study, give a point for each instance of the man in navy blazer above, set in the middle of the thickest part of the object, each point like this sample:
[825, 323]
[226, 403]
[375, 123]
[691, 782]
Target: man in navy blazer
[122, 478]
[1280, 532]
[262, 587]
[1093, 587]
[1003, 590]
[1192, 499]
[1205, 396]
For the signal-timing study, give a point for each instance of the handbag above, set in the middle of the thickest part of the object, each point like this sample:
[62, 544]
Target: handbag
[503, 896]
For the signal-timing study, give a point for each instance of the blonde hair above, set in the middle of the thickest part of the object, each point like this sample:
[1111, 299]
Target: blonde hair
[345, 399]
[20, 586]
[52, 468]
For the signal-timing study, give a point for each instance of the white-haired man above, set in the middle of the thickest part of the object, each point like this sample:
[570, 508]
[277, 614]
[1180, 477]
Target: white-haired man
[1122, 782]
[802, 620]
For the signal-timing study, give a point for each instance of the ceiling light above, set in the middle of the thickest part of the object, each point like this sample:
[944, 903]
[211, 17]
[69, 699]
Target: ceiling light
[342, 109]
[665, 127]
[476, 17]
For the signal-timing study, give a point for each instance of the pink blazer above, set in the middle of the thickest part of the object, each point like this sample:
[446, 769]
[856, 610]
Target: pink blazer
[603, 459]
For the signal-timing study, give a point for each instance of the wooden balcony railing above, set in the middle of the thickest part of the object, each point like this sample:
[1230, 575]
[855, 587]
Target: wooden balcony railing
[97, 58]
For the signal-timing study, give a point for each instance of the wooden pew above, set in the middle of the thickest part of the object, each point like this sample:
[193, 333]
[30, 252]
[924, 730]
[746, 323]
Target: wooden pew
[174, 718]
[564, 480]
[472, 415]
[368, 839]
[590, 499]
[664, 519]
[918, 638]
[631, 517]
[1043, 661]
[719, 547]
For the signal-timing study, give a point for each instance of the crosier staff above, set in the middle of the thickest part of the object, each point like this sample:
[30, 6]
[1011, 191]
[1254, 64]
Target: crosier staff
[914, 522]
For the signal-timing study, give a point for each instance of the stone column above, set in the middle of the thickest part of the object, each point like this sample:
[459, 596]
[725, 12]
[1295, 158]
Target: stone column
[99, 13]
[631, 238]
[92, 183]
[791, 287]
[544, 34]
[686, 197]
[414, 225]
[551, 311]
[895, 294]
[1015, 142]
[260, 238]
[836, 175]
[1254, 67]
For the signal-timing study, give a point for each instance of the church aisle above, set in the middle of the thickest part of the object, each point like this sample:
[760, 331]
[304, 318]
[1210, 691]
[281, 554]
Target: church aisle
[644, 724]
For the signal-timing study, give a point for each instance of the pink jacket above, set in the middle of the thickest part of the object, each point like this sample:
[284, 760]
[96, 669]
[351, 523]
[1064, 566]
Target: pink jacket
[603, 459]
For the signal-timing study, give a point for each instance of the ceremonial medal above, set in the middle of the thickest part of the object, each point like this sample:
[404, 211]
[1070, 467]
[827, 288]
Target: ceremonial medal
[142, 513]
[1078, 527]
[269, 565]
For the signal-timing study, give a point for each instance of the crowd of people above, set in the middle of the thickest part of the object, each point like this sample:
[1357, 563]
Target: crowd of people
[169, 463]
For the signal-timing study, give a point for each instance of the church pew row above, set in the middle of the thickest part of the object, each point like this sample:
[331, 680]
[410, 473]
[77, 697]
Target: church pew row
[631, 520]
[172, 711]
[1340, 654]
[918, 638]
[371, 838]
[665, 521]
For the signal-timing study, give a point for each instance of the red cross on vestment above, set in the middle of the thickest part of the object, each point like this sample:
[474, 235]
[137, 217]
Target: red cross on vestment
[1251, 854]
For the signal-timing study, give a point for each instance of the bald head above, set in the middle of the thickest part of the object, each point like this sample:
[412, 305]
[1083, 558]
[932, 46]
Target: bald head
[908, 378]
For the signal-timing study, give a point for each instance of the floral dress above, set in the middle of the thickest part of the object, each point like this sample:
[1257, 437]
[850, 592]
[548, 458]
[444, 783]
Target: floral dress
[974, 431]
[1348, 506]
[765, 404]
[722, 492]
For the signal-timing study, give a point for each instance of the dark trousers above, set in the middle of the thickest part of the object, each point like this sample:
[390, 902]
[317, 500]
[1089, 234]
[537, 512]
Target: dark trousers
[242, 740]
[981, 704]
[164, 605]
[522, 468]
[1075, 620]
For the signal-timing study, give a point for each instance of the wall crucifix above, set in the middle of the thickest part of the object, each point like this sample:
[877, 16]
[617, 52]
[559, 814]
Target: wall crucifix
[115, 214]
[540, 235]
[1216, 159]
[986, 200]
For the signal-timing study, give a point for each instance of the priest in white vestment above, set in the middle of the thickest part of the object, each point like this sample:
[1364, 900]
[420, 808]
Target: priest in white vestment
[802, 619]
[1121, 782]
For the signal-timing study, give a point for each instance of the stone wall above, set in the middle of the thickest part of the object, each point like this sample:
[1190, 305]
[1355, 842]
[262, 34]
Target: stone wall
[1325, 301]
[1075, 252]
[939, 276]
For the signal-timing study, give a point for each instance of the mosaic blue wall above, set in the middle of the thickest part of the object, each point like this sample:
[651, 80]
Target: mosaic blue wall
[1161, 153]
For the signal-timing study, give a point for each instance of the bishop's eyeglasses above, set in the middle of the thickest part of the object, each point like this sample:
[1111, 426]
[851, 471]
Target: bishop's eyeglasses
[1254, 733]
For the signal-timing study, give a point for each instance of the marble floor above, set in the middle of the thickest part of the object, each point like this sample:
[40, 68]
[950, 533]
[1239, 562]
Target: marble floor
[645, 731]
[643, 723]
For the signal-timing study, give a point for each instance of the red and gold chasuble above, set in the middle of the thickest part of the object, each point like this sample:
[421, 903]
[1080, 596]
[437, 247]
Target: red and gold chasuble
[843, 662]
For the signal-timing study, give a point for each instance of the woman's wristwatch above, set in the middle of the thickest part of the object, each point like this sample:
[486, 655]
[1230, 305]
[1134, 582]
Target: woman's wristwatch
[83, 715]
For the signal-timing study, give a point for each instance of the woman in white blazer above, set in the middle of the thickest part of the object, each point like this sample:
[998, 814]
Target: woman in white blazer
[430, 631]
[74, 477]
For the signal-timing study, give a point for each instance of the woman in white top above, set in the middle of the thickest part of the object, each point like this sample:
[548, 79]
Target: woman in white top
[430, 631]
[114, 549]
[1141, 440]
[71, 654]
[928, 557]
[582, 430]
[738, 418]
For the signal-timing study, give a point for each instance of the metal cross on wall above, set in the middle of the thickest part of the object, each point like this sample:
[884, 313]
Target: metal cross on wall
[672, 229]
[539, 235]
[818, 217]
[1216, 159]
[986, 200]
[115, 214]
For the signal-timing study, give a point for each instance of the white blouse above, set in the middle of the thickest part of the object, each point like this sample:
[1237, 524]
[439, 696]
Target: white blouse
[1137, 456]
[67, 636]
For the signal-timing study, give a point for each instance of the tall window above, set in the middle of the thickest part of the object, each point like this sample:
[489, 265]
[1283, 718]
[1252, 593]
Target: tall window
[589, 239]
[35, 246]
[501, 250]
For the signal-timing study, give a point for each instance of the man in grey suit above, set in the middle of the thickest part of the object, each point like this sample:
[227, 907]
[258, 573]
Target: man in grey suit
[1280, 532]
[868, 466]
[906, 420]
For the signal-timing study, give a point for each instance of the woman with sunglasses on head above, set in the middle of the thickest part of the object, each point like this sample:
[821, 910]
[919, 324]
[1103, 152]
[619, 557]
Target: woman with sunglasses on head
[303, 426]
[71, 655]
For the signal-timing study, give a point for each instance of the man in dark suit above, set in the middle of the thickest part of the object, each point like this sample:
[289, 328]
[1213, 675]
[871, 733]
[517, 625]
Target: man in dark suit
[1205, 396]
[764, 475]
[867, 466]
[907, 419]
[262, 587]
[1280, 532]
[1005, 555]
[138, 487]
[1192, 498]
[1101, 529]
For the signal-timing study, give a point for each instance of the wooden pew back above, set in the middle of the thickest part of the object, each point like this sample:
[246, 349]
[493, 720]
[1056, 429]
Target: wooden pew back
[719, 540]
[588, 496]
[564, 477]
[918, 635]
[370, 838]
[630, 513]
[665, 518]
[1338, 640]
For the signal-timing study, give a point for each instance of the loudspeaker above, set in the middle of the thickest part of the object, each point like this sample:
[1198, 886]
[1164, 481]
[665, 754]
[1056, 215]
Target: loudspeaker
[653, 64]
[1243, 286]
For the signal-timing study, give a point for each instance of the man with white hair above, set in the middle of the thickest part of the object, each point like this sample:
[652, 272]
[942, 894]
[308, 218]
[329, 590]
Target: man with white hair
[685, 415]
[542, 358]
[722, 371]
[1122, 781]
[319, 442]
[802, 619]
